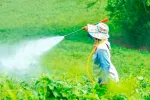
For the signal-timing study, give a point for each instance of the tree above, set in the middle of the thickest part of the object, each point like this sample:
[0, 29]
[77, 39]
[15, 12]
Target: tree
[132, 17]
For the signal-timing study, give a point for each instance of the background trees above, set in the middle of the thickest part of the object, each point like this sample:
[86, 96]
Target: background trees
[130, 21]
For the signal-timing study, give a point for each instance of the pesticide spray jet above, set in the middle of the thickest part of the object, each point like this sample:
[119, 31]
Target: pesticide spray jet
[26, 56]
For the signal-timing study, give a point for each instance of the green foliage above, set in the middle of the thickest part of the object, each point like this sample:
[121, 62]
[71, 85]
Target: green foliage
[148, 2]
[119, 97]
[45, 88]
[131, 19]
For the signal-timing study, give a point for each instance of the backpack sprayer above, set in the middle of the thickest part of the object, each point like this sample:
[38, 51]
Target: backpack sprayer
[89, 57]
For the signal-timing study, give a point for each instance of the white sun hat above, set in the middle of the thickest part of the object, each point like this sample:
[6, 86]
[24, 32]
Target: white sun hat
[99, 31]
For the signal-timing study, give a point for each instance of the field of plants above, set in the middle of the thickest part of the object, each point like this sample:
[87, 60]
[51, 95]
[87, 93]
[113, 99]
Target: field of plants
[64, 75]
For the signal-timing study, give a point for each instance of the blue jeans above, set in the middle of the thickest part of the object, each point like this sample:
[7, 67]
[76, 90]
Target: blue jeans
[102, 60]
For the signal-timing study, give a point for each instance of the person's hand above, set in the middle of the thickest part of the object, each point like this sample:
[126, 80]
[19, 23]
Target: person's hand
[85, 28]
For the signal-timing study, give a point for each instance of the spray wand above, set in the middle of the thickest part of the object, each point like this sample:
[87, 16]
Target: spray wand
[73, 32]
[105, 20]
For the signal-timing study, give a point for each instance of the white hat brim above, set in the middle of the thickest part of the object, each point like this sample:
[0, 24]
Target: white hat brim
[99, 35]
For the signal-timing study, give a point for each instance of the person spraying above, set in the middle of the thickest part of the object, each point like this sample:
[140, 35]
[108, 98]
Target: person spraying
[101, 56]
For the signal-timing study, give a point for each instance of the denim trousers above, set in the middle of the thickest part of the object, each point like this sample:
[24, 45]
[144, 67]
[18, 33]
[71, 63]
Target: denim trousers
[101, 59]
